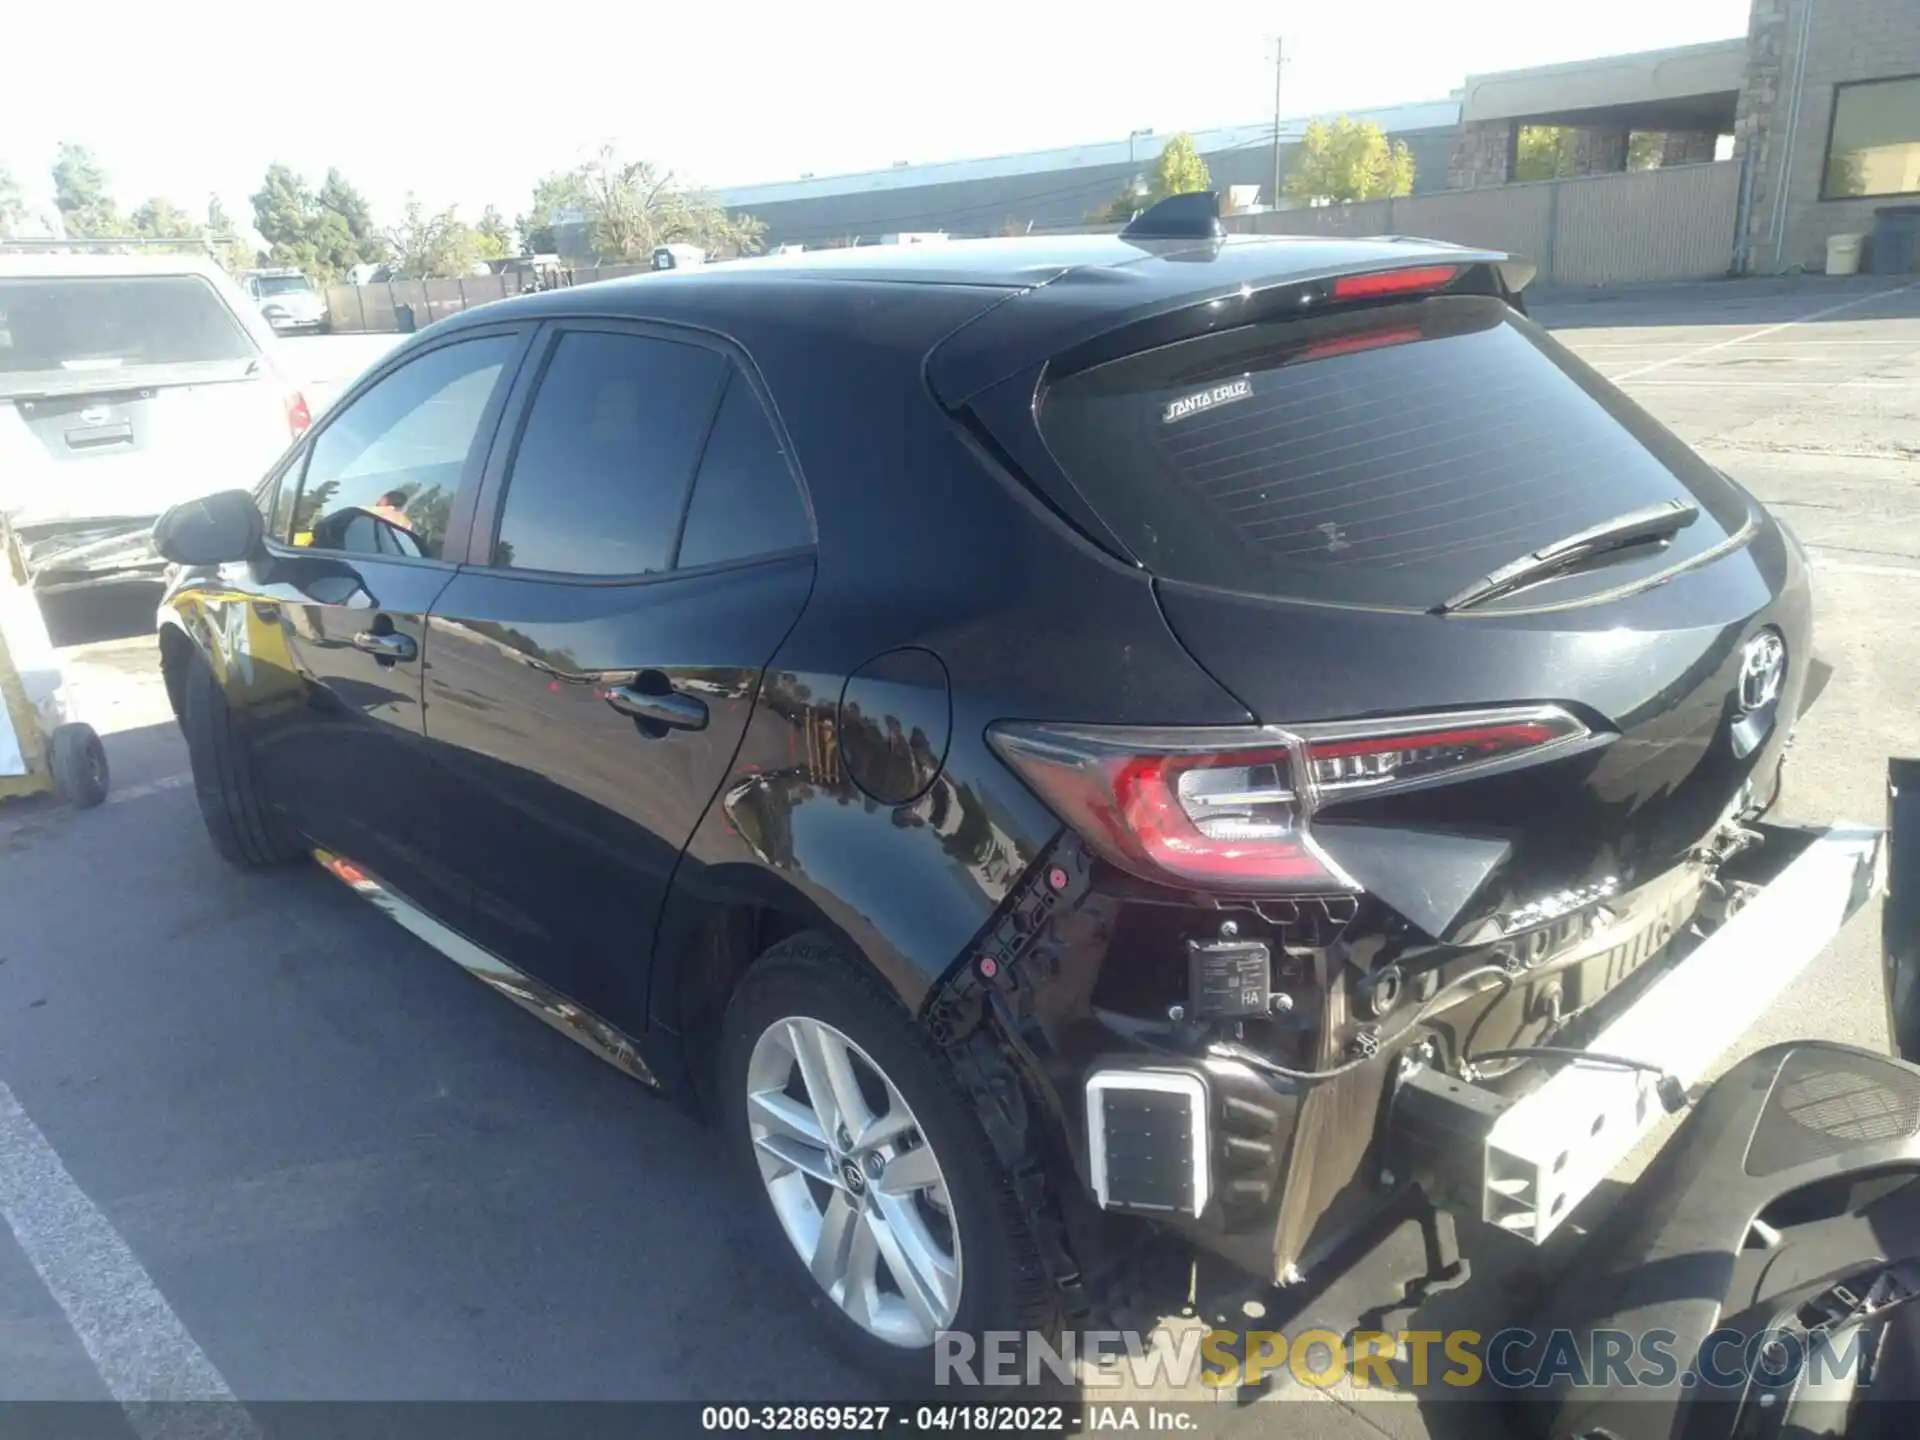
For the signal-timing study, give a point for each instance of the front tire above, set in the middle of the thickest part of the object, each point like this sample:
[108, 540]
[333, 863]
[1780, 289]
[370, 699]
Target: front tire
[882, 1196]
[244, 829]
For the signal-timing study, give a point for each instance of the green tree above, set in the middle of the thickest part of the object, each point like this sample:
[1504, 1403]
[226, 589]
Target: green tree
[80, 193]
[339, 196]
[234, 253]
[1543, 152]
[161, 219]
[284, 211]
[495, 235]
[430, 246]
[1180, 170]
[562, 190]
[1132, 198]
[739, 234]
[633, 206]
[1349, 160]
[13, 205]
[345, 232]
[323, 232]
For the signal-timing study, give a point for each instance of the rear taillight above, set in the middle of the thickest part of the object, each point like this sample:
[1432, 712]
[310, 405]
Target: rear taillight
[299, 417]
[1344, 758]
[1230, 809]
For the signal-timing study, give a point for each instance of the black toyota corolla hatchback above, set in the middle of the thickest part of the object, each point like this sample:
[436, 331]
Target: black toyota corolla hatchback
[1022, 735]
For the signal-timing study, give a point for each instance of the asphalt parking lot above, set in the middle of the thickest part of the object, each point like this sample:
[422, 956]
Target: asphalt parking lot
[256, 1141]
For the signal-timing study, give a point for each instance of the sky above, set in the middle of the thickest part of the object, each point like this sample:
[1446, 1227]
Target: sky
[469, 104]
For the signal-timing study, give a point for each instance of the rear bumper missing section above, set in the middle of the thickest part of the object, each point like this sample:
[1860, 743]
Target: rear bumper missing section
[1549, 1150]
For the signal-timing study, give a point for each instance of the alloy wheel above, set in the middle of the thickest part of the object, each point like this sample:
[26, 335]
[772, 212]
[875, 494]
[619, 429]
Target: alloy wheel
[855, 1184]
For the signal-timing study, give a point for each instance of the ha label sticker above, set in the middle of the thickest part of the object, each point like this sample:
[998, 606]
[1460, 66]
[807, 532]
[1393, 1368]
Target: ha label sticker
[1203, 400]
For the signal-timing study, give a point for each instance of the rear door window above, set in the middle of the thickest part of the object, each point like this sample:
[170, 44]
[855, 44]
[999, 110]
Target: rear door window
[599, 478]
[1389, 457]
[55, 333]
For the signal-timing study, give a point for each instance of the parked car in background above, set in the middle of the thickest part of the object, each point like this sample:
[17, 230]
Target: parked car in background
[127, 383]
[288, 299]
[1036, 738]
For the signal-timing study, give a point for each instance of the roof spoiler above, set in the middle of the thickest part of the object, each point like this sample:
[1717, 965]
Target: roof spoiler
[1192, 216]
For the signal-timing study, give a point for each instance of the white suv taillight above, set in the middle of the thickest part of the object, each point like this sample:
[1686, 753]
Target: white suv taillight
[1229, 808]
[299, 416]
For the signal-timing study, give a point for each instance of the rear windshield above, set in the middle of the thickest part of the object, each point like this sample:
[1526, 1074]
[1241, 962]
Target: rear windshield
[281, 284]
[52, 329]
[1386, 458]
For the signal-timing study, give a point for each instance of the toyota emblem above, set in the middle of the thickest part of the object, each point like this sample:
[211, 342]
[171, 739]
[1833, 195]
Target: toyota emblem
[1763, 670]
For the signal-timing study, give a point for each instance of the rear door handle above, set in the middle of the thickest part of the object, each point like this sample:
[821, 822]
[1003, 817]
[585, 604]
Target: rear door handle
[386, 645]
[668, 709]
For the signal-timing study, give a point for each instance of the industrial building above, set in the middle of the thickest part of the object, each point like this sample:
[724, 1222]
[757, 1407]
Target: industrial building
[1819, 103]
[1052, 189]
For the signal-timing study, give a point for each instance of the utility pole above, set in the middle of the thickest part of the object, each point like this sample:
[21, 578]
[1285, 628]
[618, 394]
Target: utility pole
[1279, 59]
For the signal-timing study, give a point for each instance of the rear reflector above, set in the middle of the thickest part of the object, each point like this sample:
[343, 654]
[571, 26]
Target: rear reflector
[1393, 282]
[1228, 809]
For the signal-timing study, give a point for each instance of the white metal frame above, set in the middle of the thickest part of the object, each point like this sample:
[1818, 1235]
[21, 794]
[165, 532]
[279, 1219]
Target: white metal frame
[1164, 1082]
[1552, 1148]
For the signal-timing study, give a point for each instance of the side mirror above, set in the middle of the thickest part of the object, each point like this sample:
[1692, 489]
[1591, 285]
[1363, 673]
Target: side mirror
[213, 530]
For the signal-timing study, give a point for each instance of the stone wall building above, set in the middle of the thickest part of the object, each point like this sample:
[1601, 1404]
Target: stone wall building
[1688, 97]
[1820, 102]
[1828, 124]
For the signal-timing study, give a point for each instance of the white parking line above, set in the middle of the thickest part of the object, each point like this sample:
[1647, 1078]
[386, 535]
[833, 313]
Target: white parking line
[1570, 340]
[144, 1355]
[1805, 382]
[1861, 567]
[1852, 304]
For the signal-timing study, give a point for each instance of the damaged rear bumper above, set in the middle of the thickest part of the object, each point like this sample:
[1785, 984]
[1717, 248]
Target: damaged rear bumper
[1272, 1171]
[84, 555]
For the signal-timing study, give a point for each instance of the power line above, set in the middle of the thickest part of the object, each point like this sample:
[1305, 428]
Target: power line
[1279, 60]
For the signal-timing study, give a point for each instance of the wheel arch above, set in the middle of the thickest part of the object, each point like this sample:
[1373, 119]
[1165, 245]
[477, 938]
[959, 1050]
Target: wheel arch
[712, 931]
[177, 648]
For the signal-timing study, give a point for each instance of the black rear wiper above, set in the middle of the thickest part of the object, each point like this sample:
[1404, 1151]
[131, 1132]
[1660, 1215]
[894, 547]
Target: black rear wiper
[1636, 527]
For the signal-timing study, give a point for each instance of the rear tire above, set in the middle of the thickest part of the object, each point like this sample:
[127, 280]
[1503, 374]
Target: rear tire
[244, 829]
[995, 1262]
[79, 765]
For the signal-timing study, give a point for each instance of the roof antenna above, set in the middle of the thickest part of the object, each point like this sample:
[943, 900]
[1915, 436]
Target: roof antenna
[1193, 216]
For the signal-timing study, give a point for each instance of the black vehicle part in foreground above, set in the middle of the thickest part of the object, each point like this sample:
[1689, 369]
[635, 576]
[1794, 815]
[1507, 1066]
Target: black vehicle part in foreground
[1775, 1238]
[1783, 1219]
[1185, 675]
[1900, 917]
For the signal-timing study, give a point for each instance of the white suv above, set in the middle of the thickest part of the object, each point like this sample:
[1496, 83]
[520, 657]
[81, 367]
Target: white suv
[127, 383]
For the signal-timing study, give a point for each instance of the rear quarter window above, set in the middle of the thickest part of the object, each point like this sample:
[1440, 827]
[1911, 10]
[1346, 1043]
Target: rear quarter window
[1385, 457]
